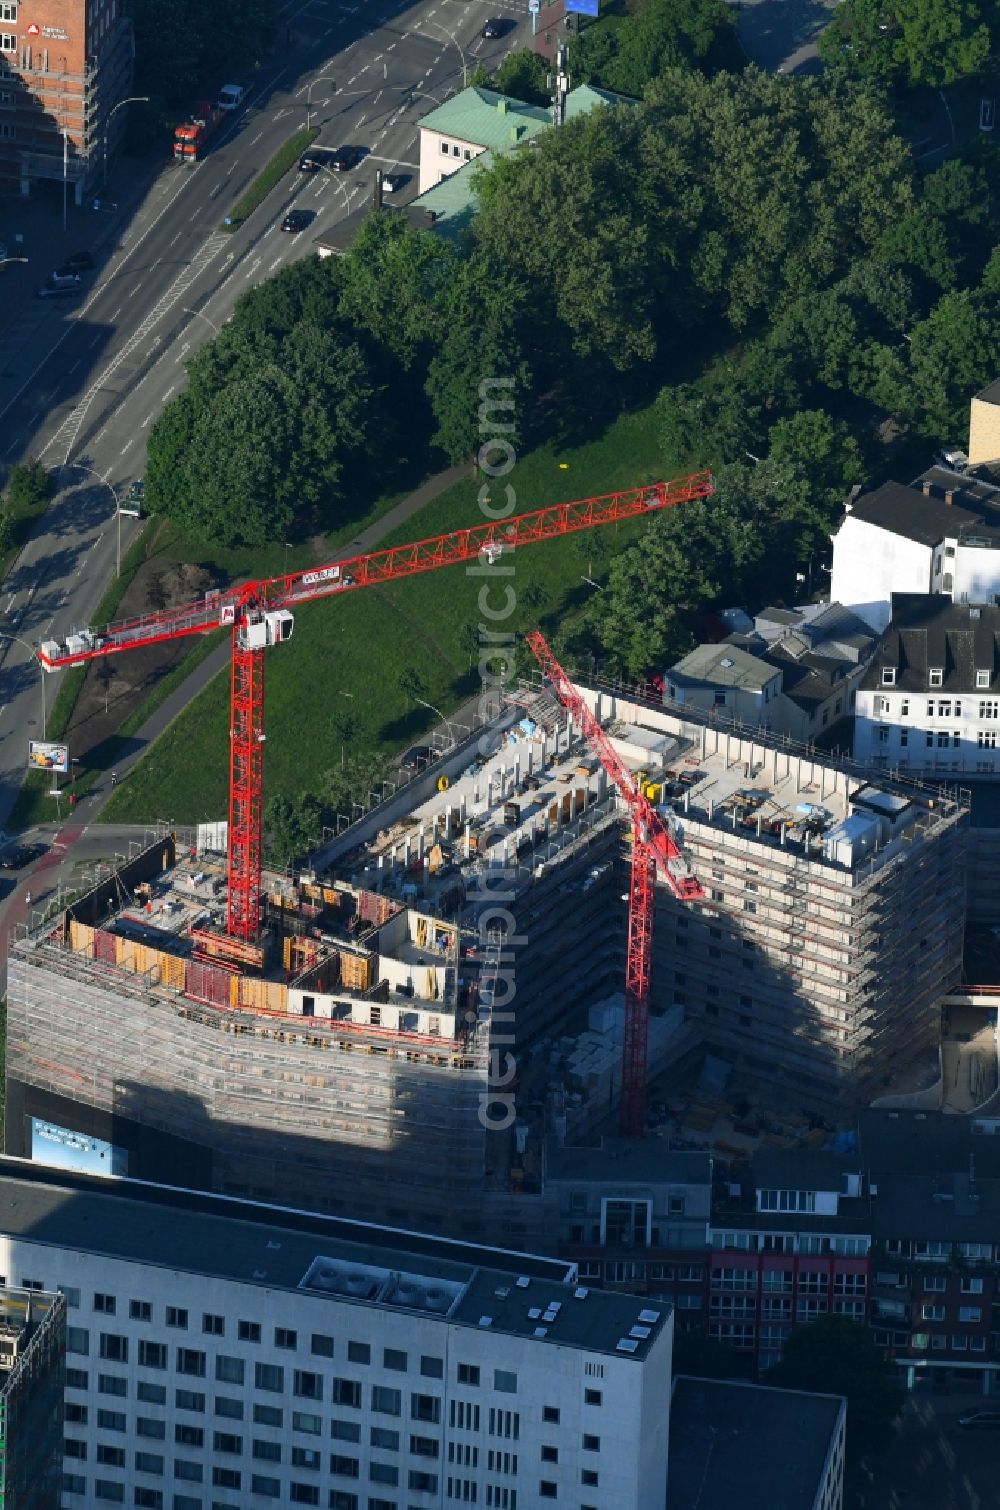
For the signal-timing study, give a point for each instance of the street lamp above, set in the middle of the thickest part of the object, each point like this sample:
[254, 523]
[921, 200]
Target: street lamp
[133, 99]
[80, 466]
[323, 79]
[33, 653]
[446, 721]
[197, 315]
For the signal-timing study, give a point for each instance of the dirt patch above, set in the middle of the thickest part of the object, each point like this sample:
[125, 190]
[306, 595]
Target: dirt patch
[115, 686]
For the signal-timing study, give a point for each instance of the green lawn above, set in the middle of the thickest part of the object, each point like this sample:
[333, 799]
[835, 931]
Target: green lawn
[348, 653]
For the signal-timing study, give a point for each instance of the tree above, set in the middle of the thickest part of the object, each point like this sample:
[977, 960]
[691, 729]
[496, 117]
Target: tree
[823, 448]
[346, 727]
[836, 1356]
[655, 37]
[522, 74]
[953, 353]
[699, 1356]
[28, 485]
[411, 684]
[919, 42]
[6, 531]
[293, 826]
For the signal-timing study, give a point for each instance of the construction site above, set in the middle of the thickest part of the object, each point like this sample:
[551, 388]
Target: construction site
[421, 1012]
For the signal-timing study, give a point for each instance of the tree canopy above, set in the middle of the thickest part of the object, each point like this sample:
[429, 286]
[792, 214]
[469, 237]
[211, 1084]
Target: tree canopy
[837, 1356]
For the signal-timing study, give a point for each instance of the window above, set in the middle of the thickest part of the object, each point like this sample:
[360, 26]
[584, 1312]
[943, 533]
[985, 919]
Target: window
[550, 1415]
[104, 1305]
[342, 1499]
[971, 1286]
[267, 1452]
[388, 1402]
[189, 1399]
[384, 1437]
[213, 1326]
[304, 1494]
[77, 1340]
[229, 1370]
[348, 1392]
[104, 1489]
[233, 1409]
[970, 1313]
[112, 1384]
[306, 1385]
[74, 1483]
[226, 1478]
[423, 1447]
[177, 1317]
[140, 1310]
[359, 1352]
[151, 1498]
[321, 1345]
[149, 1462]
[268, 1487]
[191, 1361]
[153, 1431]
[75, 1413]
[285, 1337]
[268, 1415]
[425, 1408]
[186, 1502]
[248, 1331]
[74, 1449]
[114, 1347]
[383, 1473]
[113, 1457]
[151, 1394]
[77, 1378]
[592, 1397]
[111, 1420]
[432, 1368]
[550, 1454]
[226, 1441]
[304, 1420]
[269, 1376]
[588, 1476]
[468, 1373]
[346, 1468]
[423, 1483]
[393, 1358]
[346, 1431]
[930, 1312]
[504, 1382]
[986, 739]
[547, 1489]
[982, 680]
[888, 676]
[935, 676]
[444, 148]
[591, 1443]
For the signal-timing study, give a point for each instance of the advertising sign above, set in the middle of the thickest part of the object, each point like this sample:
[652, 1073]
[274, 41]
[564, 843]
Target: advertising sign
[65, 1149]
[46, 757]
[583, 7]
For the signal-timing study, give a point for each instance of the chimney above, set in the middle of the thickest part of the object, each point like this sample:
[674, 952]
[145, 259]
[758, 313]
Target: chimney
[949, 496]
[927, 489]
[502, 106]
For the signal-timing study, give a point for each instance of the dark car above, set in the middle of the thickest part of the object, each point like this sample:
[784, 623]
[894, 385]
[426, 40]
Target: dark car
[78, 262]
[296, 220]
[494, 27]
[315, 159]
[342, 159]
[58, 291]
[980, 1420]
[415, 757]
[20, 856]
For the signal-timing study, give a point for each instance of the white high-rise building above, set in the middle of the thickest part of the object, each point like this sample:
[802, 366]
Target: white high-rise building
[222, 1354]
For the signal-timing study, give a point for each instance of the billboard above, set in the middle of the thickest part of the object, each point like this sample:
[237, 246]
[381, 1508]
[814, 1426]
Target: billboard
[62, 1148]
[583, 7]
[46, 757]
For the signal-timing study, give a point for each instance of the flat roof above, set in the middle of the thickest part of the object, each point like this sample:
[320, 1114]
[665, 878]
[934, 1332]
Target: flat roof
[626, 1162]
[771, 1443]
[722, 665]
[280, 1247]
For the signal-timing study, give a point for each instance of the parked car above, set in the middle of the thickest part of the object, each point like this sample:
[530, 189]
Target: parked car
[393, 182]
[62, 279]
[494, 27]
[20, 856]
[342, 159]
[58, 291]
[230, 97]
[296, 220]
[77, 262]
[980, 1420]
[415, 757]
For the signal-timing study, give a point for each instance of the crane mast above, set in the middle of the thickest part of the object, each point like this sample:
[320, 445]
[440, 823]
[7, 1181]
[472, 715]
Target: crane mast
[653, 847]
[259, 614]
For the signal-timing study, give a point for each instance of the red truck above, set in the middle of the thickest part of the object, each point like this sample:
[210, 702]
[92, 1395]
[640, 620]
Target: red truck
[192, 138]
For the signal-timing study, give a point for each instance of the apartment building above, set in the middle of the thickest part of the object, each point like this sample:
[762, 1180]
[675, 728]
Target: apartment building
[930, 701]
[64, 66]
[226, 1354]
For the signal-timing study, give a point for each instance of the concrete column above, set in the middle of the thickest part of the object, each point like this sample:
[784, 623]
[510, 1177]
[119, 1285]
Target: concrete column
[468, 840]
[420, 842]
[406, 855]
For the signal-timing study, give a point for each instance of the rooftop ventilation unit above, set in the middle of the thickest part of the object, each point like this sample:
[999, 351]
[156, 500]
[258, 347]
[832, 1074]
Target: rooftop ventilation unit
[485, 1321]
[523, 1282]
[649, 1317]
[502, 1293]
[540, 1331]
[640, 1333]
[627, 1345]
[581, 1293]
[549, 1316]
[534, 1313]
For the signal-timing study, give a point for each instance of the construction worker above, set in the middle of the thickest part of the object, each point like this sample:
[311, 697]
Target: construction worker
[114, 778]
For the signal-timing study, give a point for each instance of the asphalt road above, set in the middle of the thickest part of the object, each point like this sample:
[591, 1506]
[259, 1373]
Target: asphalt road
[81, 386]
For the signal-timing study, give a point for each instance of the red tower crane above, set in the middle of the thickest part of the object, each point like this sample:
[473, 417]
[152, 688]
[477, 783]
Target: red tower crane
[259, 614]
[653, 847]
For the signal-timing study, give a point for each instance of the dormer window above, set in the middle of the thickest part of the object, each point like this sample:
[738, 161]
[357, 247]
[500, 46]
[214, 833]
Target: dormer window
[888, 676]
[935, 677]
[982, 679]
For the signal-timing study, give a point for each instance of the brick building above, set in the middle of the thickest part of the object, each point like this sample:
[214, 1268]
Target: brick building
[64, 65]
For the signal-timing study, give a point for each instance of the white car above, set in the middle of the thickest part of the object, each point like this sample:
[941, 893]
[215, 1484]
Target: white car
[231, 96]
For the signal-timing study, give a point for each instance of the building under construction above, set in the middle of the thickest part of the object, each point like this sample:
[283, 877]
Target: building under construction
[414, 1019]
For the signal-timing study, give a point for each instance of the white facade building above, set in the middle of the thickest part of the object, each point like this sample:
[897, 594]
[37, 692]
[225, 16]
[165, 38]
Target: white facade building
[942, 536]
[930, 703]
[222, 1354]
